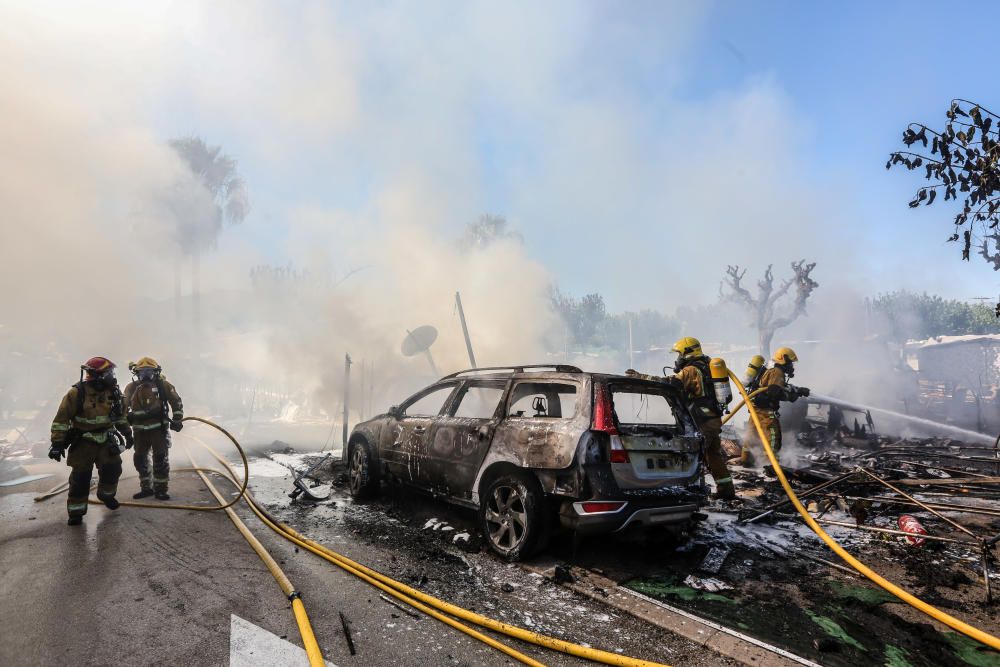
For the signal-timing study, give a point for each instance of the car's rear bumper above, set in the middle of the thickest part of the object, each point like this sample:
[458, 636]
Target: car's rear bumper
[631, 514]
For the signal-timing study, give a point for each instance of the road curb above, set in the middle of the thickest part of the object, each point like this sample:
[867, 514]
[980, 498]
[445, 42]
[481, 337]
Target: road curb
[722, 640]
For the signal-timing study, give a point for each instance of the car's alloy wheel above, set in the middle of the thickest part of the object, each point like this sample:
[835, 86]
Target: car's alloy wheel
[513, 515]
[507, 517]
[359, 471]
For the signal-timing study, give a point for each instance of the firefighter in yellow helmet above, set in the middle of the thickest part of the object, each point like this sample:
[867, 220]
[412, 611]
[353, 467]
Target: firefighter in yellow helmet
[91, 423]
[691, 370]
[776, 387]
[152, 406]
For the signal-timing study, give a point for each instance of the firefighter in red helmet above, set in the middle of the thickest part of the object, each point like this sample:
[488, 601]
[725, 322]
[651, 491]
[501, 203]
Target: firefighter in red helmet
[91, 424]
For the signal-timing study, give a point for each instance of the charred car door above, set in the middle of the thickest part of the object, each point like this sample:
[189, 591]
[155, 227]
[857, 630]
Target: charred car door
[539, 426]
[404, 443]
[462, 436]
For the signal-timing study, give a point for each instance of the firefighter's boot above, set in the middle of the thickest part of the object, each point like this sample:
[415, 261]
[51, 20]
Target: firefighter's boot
[109, 501]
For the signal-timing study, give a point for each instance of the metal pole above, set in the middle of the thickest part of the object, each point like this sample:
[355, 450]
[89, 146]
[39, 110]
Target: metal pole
[631, 362]
[361, 411]
[430, 360]
[465, 329]
[347, 402]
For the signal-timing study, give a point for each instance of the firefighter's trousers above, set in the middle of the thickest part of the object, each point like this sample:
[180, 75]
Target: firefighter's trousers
[83, 456]
[715, 456]
[156, 442]
[770, 422]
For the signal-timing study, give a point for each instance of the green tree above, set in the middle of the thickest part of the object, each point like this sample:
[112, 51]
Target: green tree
[583, 317]
[649, 328]
[589, 324]
[910, 316]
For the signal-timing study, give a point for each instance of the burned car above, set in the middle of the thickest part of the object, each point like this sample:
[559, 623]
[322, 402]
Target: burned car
[527, 445]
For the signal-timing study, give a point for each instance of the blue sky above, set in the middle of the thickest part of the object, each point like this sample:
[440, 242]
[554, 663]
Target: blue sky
[513, 110]
[857, 73]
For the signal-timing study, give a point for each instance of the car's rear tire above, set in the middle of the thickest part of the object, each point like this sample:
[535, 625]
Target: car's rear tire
[362, 471]
[514, 516]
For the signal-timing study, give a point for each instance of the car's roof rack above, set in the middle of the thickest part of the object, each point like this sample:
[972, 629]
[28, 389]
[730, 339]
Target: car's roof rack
[559, 368]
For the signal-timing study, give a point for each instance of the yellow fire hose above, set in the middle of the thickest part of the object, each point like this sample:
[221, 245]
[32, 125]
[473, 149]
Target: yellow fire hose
[422, 601]
[308, 546]
[913, 601]
[284, 531]
[202, 508]
[298, 609]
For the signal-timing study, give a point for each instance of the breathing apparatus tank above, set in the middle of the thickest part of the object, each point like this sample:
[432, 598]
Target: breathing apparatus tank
[720, 382]
[752, 375]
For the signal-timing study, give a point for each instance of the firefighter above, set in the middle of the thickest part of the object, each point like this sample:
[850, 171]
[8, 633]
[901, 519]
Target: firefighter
[89, 422]
[777, 388]
[152, 406]
[691, 372]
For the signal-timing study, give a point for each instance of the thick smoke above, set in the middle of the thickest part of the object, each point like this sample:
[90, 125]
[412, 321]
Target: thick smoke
[368, 138]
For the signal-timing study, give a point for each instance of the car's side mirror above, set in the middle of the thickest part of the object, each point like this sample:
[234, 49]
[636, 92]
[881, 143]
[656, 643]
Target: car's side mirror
[395, 412]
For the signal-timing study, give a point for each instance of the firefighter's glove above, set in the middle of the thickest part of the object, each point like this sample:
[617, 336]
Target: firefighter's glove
[56, 452]
[176, 425]
[803, 391]
[130, 418]
[129, 441]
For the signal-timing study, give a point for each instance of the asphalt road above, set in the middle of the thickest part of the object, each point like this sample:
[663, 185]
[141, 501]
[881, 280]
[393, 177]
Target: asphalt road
[150, 587]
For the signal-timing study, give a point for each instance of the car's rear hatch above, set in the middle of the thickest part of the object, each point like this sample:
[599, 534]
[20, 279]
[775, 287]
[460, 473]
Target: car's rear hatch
[652, 440]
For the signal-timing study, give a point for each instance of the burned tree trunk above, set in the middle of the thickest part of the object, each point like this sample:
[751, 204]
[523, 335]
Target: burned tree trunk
[764, 339]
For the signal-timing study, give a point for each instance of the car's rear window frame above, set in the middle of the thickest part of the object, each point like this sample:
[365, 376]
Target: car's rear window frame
[626, 389]
[683, 423]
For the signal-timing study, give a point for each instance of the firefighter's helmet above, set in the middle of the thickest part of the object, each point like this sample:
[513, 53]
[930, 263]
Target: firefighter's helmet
[784, 355]
[687, 348]
[98, 368]
[145, 362]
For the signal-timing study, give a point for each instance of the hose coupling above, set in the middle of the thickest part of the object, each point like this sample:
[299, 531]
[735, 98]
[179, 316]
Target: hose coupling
[294, 595]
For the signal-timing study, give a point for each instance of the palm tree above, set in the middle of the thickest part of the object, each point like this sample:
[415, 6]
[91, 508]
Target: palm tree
[200, 213]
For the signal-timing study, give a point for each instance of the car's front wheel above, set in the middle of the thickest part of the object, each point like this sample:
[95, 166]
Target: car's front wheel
[362, 474]
[513, 516]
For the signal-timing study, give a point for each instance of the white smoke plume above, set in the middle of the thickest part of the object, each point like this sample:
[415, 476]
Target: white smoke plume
[368, 137]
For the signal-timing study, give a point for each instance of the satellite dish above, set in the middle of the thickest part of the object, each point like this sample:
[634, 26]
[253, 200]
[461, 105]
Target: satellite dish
[420, 340]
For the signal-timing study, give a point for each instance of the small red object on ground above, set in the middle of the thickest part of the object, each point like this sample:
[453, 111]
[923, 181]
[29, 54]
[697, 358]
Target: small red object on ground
[909, 524]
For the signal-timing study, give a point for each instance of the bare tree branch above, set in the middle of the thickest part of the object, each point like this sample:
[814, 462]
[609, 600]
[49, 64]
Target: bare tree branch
[764, 304]
[734, 278]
